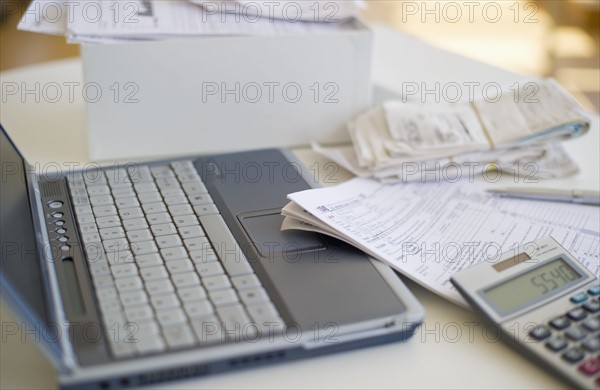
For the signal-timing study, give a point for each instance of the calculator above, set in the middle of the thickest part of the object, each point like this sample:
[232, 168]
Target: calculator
[546, 302]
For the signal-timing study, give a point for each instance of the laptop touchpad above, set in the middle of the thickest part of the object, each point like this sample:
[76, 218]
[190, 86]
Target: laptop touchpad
[264, 229]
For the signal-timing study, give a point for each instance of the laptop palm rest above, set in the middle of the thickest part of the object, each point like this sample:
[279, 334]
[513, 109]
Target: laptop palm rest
[318, 279]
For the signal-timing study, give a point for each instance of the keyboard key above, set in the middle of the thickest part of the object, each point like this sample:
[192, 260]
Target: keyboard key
[179, 336]
[592, 344]
[101, 200]
[594, 290]
[103, 281]
[171, 317]
[578, 298]
[573, 355]
[191, 232]
[144, 187]
[207, 330]
[151, 208]
[143, 248]
[149, 260]
[245, 281]
[159, 218]
[135, 224]
[104, 211]
[134, 298]
[180, 209]
[154, 273]
[557, 344]
[172, 192]
[107, 222]
[149, 343]
[254, 295]
[209, 269]
[149, 197]
[165, 301]
[164, 229]
[120, 257]
[117, 244]
[200, 199]
[139, 235]
[591, 324]
[123, 192]
[206, 255]
[140, 174]
[577, 314]
[205, 209]
[223, 296]
[200, 308]
[159, 287]
[185, 220]
[195, 187]
[127, 202]
[129, 284]
[592, 306]
[185, 280]
[161, 171]
[560, 323]
[177, 266]
[590, 367]
[264, 312]
[216, 282]
[124, 270]
[197, 243]
[110, 305]
[132, 212]
[193, 293]
[234, 319]
[139, 313]
[86, 218]
[169, 241]
[576, 333]
[540, 332]
[174, 253]
[173, 200]
[112, 233]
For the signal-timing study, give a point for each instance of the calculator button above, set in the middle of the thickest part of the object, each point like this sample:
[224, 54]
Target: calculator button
[590, 366]
[577, 314]
[561, 322]
[557, 343]
[573, 355]
[592, 306]
[592, 344]
[576, 333]
[540, 332]
[594, 290]
[591, 324]
[578, 298]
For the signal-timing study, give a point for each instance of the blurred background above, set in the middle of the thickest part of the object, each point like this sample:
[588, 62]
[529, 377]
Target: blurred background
[558, 38]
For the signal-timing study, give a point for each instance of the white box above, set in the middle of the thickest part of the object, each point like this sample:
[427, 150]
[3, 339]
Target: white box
[171, 97]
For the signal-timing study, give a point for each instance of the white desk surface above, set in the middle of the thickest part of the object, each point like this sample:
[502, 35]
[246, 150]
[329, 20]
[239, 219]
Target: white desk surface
[453, 349]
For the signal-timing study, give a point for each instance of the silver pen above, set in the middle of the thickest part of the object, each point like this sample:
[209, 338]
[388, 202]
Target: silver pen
[554, 195]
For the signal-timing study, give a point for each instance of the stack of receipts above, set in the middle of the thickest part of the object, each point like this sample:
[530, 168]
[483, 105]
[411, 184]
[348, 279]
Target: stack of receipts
[429, 231]
[111, 21]
[516, 127]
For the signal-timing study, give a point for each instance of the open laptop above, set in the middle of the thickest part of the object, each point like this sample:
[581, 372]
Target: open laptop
[138, 274]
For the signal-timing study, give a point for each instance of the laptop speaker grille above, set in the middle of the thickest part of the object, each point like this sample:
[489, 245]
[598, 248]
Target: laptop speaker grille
[173, 374]
[51, 189]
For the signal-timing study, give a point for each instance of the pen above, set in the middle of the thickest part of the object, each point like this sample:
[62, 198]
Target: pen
[554, 195]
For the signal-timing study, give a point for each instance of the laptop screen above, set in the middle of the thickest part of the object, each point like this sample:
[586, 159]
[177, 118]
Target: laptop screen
[19, 265]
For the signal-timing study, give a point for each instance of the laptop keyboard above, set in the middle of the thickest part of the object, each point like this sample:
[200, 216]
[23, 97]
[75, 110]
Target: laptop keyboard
[167, 271]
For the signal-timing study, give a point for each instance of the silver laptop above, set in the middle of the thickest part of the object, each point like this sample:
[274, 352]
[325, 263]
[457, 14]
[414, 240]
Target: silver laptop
[138, 274]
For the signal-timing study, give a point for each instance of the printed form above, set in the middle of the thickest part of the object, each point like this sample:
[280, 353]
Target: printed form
[429, 231]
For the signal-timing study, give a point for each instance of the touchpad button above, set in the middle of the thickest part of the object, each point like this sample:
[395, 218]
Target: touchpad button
[264, 230]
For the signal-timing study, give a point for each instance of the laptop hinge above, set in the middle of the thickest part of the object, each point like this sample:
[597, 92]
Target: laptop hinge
[63, 358]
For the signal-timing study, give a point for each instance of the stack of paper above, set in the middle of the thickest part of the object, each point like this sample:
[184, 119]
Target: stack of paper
[428, 231]
[109, 21]
[515, 127]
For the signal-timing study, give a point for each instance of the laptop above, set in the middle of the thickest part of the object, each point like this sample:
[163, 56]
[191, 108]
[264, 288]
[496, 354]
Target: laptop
[138, 274]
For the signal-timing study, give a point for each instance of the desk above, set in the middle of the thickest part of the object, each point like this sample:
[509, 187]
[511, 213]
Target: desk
[453, 348]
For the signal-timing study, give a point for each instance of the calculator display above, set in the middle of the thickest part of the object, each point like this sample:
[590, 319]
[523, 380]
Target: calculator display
[530, 286]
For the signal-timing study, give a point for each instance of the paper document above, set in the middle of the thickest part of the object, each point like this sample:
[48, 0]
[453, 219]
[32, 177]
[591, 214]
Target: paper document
[109, 21]
[428, 231]
[499, 129]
